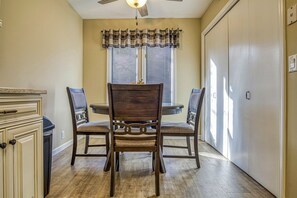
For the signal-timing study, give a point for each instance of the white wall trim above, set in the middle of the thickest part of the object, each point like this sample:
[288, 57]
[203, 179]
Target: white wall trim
[108, 68]
[174, 67]
[108, 64]
[143, 64]
[219, 16]
[283, 79]
[62, 147]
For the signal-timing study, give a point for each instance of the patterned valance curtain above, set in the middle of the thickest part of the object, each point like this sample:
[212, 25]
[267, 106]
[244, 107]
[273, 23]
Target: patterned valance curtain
[139, 38]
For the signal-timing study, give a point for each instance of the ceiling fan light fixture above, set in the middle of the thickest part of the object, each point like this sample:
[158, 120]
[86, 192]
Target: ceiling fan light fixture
[136, 3]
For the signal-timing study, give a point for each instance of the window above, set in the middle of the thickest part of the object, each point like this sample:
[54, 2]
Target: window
[124, 65]
[156, 65]
[159, 69]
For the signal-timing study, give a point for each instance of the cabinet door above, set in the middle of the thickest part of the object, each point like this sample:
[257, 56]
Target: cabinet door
[1, 165]
[24, 161]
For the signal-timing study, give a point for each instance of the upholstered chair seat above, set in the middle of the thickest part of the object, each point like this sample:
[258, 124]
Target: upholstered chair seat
[177, 128]
[94, 126]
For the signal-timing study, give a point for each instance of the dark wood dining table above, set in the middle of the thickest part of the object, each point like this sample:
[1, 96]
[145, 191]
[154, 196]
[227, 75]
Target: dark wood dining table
[167, 109]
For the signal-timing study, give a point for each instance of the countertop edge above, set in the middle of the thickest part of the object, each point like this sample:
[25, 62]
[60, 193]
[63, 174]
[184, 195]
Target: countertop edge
[9, 90]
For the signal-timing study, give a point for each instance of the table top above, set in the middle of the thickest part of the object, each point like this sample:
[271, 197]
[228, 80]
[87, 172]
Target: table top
[167, 108]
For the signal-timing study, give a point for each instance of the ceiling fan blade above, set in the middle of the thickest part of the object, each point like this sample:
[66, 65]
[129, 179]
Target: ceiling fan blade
[106, 1]
[143, 11]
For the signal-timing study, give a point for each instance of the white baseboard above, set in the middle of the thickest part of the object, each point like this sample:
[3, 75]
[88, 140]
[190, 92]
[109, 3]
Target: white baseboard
[63, 146]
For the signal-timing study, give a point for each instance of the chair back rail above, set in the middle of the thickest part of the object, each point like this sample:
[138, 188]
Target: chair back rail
[135, 110]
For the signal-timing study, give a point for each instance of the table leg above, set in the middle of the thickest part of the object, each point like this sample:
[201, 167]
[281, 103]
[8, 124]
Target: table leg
[162, 164]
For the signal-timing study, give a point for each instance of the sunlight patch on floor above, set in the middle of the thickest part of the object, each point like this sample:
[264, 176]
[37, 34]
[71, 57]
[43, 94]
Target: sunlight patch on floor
[212, 155]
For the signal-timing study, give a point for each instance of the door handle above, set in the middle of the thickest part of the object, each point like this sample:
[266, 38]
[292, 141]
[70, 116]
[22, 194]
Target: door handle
[8, 111]
[248, 95]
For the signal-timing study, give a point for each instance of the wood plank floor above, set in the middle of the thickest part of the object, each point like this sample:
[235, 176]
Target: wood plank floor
[217, 177]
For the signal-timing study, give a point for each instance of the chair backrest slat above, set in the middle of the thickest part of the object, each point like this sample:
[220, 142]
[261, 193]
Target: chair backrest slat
[135, 102]
[195, 105]
[78, 106]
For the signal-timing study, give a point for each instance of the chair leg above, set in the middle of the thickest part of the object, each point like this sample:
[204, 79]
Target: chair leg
[117, 161]
[74, 148]
[157, 172]
[196, 151]
[153, 160]
[161, 162]
[87, 143]
[161, 141]
[112, 174]
[189, 145]
[107, 143]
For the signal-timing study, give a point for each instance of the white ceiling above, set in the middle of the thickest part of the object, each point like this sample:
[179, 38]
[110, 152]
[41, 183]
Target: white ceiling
[90, 9]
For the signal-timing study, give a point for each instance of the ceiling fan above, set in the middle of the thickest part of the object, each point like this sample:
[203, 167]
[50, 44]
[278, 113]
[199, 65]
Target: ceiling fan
[140, 5]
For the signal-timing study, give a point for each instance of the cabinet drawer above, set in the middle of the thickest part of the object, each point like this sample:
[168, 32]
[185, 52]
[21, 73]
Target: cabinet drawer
[19, 110]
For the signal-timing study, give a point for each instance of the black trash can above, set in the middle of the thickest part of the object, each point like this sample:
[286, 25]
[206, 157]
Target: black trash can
[48, 127]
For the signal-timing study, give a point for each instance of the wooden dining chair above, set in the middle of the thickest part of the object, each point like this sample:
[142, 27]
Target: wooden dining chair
[82, 125]
[135, 116]
[188, 129]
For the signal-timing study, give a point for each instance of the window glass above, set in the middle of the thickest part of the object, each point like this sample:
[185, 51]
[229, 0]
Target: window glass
[159, 69]
[124, 65]
[157, 66]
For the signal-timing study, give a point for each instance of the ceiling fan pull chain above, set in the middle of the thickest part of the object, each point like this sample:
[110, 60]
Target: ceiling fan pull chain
[136, 18]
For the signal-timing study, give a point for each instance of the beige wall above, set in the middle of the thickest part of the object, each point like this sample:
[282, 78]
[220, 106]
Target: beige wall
[188, 57]
[41, 47]
[291, 181]
[211, 12]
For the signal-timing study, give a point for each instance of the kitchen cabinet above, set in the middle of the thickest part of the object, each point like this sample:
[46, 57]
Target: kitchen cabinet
[21, 137]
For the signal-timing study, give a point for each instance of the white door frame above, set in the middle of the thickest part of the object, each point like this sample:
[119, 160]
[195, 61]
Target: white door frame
[283, 76]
